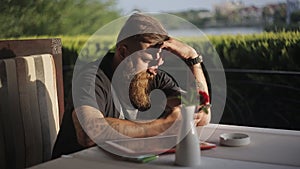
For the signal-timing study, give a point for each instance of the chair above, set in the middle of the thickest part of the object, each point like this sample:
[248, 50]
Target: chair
[29, 107]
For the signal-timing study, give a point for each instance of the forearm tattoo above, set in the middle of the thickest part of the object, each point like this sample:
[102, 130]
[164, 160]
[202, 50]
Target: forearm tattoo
[200, 85]
[92, 127]
[99, 129]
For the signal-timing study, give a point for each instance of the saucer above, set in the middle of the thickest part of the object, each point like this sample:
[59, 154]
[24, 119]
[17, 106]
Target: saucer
[234, 139]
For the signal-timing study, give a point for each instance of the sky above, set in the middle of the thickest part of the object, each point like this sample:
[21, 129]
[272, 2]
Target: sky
[127, 6]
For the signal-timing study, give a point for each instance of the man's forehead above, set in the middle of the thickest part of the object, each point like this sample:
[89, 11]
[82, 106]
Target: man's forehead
[152, 39]
[153, 42]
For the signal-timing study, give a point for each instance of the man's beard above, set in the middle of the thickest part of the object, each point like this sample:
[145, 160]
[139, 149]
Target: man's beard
[139, 90]
[139, 86]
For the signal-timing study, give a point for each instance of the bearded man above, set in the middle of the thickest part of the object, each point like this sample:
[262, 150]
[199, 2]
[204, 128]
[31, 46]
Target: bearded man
[103, 110]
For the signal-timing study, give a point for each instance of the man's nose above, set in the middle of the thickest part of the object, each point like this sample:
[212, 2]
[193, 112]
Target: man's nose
[157, 62]
[153, 70]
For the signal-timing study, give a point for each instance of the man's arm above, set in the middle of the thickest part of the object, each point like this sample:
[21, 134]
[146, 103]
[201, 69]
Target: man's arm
[98, 128]
[185, 51]
[201, 118]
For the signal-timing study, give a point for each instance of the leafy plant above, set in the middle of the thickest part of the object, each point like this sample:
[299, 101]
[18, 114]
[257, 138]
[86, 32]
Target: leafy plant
[193, 97]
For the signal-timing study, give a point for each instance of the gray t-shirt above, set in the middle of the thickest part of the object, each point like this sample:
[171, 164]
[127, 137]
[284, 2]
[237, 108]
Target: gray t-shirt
[93, 88]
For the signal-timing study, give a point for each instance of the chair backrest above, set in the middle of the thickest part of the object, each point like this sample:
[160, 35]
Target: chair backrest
[29, 111]
[31, 100]
[53, 46]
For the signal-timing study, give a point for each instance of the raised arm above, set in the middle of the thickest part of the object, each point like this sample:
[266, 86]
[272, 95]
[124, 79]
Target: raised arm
[185, 51]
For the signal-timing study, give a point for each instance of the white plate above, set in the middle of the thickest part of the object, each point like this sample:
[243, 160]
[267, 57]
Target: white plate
[234, 139]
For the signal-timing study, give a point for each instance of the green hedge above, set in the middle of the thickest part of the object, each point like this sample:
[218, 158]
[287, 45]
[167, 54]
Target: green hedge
[270, 51]
[267, 51]
[253, 99]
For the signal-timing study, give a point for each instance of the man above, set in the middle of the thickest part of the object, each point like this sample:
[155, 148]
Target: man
[103, 107]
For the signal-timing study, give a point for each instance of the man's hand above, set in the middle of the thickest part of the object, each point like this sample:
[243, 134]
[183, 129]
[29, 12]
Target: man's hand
[180, 49]
[201, 118]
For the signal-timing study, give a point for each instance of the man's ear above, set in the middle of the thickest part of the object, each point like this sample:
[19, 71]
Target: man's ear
[122, 51]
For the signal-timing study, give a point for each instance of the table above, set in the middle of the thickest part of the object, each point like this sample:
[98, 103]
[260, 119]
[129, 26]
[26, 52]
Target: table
[269, 148]
[273, 146]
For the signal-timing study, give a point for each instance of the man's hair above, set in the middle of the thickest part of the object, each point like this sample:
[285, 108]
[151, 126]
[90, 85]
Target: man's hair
[141, 27]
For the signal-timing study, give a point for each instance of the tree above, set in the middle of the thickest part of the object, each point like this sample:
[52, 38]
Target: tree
[54, 17]
[85, 17]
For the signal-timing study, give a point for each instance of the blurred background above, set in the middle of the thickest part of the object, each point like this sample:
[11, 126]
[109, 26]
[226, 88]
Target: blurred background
[257, 41]
[81, 17]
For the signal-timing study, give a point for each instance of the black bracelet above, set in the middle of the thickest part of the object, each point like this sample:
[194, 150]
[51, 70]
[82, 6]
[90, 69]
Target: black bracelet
[196, 60]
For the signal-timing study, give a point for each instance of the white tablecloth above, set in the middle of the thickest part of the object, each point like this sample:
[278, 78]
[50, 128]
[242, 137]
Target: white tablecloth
[269, 149]
[267, 145]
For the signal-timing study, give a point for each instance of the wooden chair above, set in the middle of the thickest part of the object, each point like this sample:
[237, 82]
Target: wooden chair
[31, 100]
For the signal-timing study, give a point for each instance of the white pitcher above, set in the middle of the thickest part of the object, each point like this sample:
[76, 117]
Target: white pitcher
[188, 149]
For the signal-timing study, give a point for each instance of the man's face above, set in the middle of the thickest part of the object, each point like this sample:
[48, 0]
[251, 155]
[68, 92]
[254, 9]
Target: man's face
[138, 70]
[147, 56]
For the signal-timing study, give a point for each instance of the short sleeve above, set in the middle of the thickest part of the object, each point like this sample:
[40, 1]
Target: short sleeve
[91, 87]
[167, 84]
